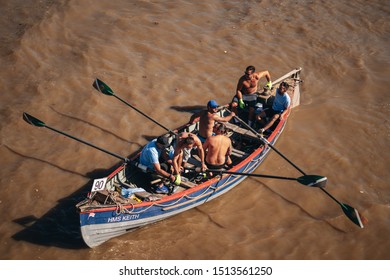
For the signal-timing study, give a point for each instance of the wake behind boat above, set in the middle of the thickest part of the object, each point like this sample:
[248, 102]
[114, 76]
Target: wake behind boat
[125, 200]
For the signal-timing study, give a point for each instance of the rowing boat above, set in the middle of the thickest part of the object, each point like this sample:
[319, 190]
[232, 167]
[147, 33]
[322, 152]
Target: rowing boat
[124, 201]
[106, 213]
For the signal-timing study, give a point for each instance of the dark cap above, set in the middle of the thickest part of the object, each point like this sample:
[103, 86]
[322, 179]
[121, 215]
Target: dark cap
[163, 140]
[285, 84]
[212, 104]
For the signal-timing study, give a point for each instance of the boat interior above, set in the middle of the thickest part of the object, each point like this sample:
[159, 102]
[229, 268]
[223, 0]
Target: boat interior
[132, 184]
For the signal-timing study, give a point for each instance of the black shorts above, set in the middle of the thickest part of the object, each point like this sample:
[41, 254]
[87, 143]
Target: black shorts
[216, 166]
[152, 175]
[271, 112]
[247, 103]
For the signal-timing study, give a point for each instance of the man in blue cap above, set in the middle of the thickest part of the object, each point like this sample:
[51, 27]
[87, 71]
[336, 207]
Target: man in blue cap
[207, 119]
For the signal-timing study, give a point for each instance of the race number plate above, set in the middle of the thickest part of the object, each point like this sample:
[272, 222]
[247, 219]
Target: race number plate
[98, 184]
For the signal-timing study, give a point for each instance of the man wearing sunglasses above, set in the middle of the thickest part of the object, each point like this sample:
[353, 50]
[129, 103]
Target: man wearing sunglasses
[246, 92]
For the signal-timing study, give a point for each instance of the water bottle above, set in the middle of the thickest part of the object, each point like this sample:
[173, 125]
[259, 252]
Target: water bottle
[128, 192]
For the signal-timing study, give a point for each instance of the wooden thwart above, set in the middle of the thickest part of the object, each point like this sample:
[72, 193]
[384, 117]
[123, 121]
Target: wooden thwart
[240, 130]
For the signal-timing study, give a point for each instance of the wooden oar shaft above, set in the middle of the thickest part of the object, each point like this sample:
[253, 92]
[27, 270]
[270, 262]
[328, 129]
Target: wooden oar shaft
[87, 143]
[251, 174]
[143, 114]
[354, 215]
[265, 141]
[332, 197]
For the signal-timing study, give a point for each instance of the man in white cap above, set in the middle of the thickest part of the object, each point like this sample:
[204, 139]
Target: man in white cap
[207, 119]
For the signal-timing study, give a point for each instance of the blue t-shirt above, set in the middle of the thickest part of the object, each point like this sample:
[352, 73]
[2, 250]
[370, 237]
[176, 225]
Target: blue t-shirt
[150, 154]
[281, 102]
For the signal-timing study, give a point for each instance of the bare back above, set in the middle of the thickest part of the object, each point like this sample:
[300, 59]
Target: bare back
[218, 148]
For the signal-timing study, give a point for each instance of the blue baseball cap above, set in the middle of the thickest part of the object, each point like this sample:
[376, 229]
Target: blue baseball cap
[212, 104]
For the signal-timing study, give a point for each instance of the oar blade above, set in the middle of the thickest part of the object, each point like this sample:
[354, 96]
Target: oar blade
[102, 87]
[32, 120]
[313, 181]
[354, 215]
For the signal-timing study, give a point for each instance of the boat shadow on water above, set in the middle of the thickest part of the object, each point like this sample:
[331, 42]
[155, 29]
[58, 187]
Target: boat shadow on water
[188, 109]
[60, 227]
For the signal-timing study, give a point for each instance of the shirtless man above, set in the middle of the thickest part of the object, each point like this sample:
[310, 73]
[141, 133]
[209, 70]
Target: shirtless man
[182, 152]
[246, 92]
[208, 118]
[218, 148]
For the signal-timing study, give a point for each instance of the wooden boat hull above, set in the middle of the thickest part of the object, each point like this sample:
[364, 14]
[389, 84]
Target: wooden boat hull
[99, 224]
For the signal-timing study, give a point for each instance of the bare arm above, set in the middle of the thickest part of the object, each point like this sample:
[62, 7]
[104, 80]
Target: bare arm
[282, 116]
[224, 119]
[286, 106]
[194, 116]
[175, 161]
[229, 159]
[239, 88]
[229, 151]
[157, 168]
[264, 74]
[201, 154]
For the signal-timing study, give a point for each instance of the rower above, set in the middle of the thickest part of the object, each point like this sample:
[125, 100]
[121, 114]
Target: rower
[207, 119]
[149, 157]
[218, 148]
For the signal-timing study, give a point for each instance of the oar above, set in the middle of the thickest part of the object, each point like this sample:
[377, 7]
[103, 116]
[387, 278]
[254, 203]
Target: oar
[307, 180]
[349, 211]
[265, 141]
[36, 122]
[105, 89]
